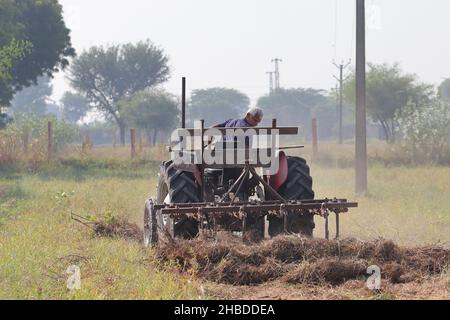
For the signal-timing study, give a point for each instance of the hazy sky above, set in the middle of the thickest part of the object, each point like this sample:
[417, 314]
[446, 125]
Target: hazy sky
[230, 43]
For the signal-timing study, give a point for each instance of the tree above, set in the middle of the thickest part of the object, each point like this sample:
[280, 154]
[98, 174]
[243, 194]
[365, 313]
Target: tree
[5, 119]
[295, 106]
[424, 131]
[10, 54]
[153, 111]
[16, 50]
[32, 100]
[216, 105]
[444, 89]
[41, 24]
[74, 107]
[388, 91]
[107, 75]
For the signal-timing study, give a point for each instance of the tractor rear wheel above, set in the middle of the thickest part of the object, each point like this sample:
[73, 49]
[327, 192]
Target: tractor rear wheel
[298, 186]
[176, 186]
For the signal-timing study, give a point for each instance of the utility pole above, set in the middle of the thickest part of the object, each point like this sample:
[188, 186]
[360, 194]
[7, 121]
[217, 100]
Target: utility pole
[336, 96]
[315, 138]
[341, 68]
[270, 73]
[183, 102]
[49, 141]
[360, 132]
[277, 72]
[335, 91]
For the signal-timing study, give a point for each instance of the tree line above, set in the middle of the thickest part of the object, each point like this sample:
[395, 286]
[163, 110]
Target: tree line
[124, 83]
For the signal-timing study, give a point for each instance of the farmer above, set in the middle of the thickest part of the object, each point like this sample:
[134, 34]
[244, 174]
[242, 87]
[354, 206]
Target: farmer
[252, 118]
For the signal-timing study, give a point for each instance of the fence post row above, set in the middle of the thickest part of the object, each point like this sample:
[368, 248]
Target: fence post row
[133, 143]
[50, 140]
[315, 138]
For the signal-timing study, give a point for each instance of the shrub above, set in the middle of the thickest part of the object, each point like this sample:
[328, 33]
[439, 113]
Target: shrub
[423, 132]
[26, 140]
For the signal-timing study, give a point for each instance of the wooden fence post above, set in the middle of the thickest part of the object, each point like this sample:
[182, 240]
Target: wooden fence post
[133, 143]
[87, 142]
[315, 138]
[25, 140]
[140, 141]
[49, 140]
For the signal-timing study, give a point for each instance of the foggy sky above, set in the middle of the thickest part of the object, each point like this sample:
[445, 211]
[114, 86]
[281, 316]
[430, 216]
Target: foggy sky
[230, 43]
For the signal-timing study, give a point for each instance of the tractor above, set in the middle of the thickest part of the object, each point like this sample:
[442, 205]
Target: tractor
[201, 198]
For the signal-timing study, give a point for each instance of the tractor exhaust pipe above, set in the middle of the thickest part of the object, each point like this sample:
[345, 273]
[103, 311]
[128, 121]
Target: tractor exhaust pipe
[183, 103]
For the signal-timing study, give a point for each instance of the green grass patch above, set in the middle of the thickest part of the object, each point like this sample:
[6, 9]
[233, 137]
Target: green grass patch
[42, 241]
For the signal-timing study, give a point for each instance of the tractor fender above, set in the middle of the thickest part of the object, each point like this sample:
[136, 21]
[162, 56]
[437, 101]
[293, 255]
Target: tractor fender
[277, 180]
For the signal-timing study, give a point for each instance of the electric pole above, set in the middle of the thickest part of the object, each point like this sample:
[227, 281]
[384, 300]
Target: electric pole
[277, 72]
[336, 97]
[270, 73]
[360, 131]
[341, 68]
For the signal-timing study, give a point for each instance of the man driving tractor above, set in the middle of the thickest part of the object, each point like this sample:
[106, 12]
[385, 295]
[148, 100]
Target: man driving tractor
[252, 118]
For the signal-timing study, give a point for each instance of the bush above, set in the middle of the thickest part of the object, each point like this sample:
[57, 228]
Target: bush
[10, 146]
[423, 133]
[26, 140]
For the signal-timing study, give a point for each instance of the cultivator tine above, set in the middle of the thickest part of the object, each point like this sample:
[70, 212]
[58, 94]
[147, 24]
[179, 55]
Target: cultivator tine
[214, 227]
[284, 214]
[243, 215]
[201, 222]
[324, 212]
[337, 226]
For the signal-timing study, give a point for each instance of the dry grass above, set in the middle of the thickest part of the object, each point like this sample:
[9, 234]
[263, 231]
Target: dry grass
[119, 153]
[407, 205]
[436, 288]
[300, 260]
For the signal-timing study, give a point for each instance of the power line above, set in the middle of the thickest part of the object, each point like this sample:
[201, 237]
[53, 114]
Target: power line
[353, 33]
[336, 32]
[335, 27]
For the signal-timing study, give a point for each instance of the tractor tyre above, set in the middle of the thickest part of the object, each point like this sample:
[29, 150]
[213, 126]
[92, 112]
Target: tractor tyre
[298, 186]
[176, 186]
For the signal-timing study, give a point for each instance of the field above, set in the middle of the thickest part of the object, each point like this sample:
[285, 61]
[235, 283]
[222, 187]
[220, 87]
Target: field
[39, 239]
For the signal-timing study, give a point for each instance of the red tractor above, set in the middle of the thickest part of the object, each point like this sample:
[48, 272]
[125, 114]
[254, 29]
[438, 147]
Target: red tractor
[204, 198]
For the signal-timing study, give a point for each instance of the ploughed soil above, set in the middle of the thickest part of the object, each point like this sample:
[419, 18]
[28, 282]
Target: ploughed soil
[293, 267]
